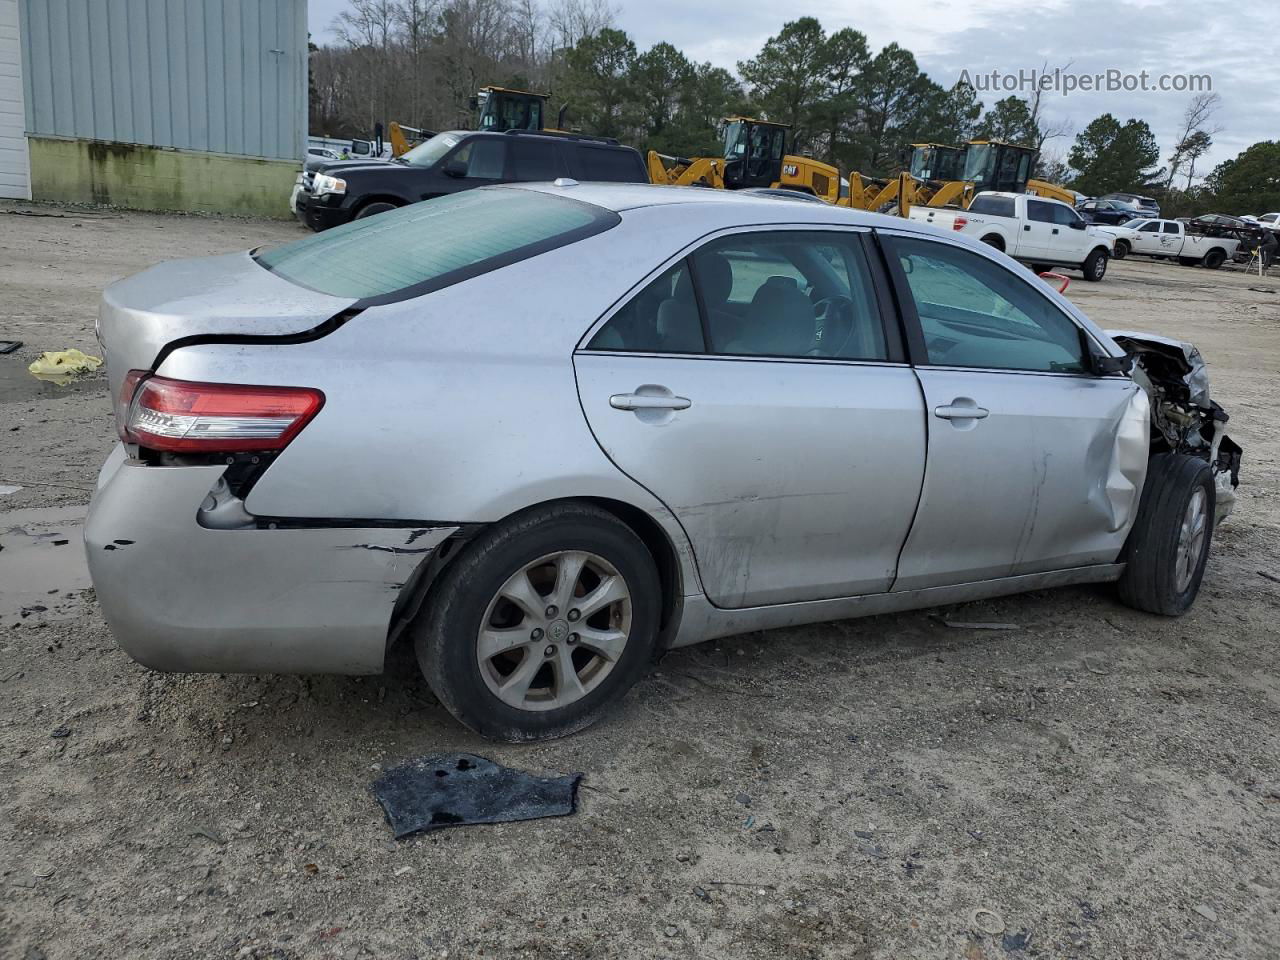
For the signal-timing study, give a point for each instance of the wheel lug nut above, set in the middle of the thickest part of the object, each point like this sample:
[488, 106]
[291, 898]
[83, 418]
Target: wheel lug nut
[537, 633]
[574, 614]
[550, 651]
[551, 611]
[573, 638]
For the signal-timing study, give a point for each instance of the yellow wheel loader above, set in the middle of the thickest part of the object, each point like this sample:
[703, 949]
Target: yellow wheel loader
[755, 155]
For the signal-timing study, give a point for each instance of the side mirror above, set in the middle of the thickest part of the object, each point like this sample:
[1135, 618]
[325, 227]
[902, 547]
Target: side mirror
[1077, 224]
[455, 168]
[1105, 366]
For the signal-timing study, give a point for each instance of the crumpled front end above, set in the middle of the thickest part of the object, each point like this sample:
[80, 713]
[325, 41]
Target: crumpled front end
[1184, 417]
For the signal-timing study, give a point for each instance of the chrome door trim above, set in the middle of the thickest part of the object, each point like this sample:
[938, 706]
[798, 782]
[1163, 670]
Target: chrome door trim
[701, 620]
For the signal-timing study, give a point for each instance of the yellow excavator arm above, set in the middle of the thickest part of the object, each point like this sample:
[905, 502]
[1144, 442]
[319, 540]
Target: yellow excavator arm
[682, 172]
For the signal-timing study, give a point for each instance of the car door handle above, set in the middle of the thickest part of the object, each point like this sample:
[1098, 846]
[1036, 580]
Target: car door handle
[1026, 226]
[1055, 229]
[961, 411]
[645, 401]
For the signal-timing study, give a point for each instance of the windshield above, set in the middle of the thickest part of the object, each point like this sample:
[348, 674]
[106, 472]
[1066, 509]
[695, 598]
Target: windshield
[428, 153]
[434, 243]
[735, 139]
[979, 163]
[1135, 223]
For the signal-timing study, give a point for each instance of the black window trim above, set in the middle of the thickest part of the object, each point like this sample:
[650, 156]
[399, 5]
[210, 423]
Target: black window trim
[918, 349]
[881, 292]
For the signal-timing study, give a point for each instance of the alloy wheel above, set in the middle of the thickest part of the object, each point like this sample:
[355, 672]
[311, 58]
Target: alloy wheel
[1195, 524]
[554, 630]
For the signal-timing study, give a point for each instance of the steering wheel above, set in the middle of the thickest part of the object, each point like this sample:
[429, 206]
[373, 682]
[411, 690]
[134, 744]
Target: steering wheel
[836, 316]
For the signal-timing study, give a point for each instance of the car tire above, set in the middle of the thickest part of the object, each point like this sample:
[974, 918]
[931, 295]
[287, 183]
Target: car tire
[1121, 251]
[469, 607]
[1095, 265]
[1187, 261]
[1168, 546]
[1214, 259]
[373, 209]
[993, 240]
[1039, 268]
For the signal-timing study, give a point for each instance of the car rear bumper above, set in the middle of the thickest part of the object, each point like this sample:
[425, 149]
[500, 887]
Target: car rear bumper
[180, 596]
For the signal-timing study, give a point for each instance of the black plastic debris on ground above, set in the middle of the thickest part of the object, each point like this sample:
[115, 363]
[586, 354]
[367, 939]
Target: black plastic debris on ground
[455, 789]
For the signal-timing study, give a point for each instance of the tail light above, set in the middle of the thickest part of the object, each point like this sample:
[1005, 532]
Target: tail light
[179, 416]
[959, 223]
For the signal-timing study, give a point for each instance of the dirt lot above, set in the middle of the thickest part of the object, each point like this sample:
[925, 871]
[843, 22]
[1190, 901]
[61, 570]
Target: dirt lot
[1106, 782]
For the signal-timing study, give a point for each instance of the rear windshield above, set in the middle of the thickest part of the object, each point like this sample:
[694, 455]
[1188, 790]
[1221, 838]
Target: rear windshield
[992, 206]
[432, 244]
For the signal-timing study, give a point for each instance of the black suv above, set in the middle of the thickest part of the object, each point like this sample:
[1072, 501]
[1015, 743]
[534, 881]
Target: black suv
[460, 160]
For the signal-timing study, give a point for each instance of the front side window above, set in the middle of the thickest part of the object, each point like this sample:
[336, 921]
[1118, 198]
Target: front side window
[483, 158]
[789, 294]
[434, 243]
[662, 318]
[1064, 215]
[1149, 227]
[975, 313]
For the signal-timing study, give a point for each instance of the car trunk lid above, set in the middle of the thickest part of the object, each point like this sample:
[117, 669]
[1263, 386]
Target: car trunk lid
[226, 297]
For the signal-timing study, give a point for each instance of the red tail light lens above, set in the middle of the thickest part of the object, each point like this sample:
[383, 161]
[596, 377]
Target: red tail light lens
[184, 417]
[959, 223]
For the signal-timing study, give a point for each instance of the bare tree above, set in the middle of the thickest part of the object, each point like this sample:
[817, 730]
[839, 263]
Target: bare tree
[1187, 146]
[1044, 130]
[571, 20]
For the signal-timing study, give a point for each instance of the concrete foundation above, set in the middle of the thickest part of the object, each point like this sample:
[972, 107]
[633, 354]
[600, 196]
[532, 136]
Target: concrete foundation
[155, 178]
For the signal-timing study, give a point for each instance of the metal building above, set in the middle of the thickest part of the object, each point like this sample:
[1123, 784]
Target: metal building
[161, 104]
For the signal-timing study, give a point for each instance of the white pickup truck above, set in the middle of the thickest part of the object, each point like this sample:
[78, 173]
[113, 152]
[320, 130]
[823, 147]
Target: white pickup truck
[1040, 232]
[1169, 238]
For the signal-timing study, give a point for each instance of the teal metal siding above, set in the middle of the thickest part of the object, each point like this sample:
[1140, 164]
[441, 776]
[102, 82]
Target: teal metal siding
[224, 76]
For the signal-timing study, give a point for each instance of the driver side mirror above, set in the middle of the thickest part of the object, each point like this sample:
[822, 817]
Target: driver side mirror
[455, 168]
[1099, 364]
[1077, 224]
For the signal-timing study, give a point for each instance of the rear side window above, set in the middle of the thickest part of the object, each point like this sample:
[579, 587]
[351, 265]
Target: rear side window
[1040, 211]
[608, 164]
[1170, 228]
[435, 243]
[993, 206]
[537, 160]
[663, 318]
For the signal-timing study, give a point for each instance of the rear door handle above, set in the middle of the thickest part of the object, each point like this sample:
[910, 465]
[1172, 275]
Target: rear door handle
[645, 401]
[961, 411]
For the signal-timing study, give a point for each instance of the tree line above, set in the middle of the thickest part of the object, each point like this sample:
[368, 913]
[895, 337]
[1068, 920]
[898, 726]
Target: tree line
[421, 61]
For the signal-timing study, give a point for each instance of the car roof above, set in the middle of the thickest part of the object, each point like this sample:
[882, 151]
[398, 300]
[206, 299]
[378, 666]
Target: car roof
[621, 197]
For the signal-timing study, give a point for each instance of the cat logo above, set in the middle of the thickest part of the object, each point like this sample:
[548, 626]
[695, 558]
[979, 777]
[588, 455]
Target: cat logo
[790, 169]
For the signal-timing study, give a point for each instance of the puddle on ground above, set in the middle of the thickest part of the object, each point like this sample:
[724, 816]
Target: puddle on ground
[17, 384]
[42, 549]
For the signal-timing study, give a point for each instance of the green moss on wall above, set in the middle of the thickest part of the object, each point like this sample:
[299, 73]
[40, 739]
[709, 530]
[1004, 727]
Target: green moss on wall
[150, 178]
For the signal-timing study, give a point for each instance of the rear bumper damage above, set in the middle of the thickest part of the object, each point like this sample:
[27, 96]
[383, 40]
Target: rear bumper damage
[182, 596]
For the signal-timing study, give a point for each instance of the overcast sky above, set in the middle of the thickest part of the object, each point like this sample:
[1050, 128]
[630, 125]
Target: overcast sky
[1236, 46]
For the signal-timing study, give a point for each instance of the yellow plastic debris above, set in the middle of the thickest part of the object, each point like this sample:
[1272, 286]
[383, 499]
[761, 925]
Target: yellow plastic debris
[63, 366]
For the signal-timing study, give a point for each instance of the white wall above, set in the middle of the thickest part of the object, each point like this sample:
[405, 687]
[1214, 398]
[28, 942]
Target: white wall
[14, 177]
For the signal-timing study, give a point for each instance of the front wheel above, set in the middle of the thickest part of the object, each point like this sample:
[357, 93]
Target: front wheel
[1122, 250]
[1168, 546]
[373, 209]
[1095, 265]
[542, 623]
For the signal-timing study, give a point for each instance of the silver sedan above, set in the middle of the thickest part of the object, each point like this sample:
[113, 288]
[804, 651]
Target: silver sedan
[547, 432]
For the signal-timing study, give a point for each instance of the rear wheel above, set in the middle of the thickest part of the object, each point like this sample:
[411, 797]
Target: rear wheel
[1214, 259]
[1122, 249]
[372, 209]
[1039, 268]
[1095, 265]
[1169, 544]
[542, 624]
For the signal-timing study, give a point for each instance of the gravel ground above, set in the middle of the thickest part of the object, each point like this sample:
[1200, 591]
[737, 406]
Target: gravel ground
[1106, 783]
